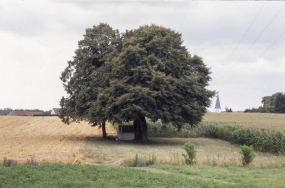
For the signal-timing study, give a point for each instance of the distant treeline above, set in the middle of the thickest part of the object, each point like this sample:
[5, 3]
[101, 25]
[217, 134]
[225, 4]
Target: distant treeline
[6, 111]
[271, 104]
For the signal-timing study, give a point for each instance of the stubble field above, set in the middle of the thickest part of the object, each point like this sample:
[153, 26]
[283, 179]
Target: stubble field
[46, 139]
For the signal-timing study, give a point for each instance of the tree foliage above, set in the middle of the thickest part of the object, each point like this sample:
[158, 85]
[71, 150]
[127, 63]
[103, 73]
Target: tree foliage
[271, 104]
[5, 111]
[145, 72]
[87, 73]
[228, 109]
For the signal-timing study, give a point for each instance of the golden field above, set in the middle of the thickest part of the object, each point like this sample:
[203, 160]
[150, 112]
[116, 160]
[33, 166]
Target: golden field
[46, 139]
[256, 120]
[209, 151]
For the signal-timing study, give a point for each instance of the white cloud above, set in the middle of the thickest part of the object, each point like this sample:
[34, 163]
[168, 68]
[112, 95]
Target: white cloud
[38, 38]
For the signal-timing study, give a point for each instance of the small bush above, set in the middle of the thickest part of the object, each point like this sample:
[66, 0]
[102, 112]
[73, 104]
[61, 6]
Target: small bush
[32, 161]
[159, 129]
[247, 154]
[191, 153]
[138, 162]
[9, 162]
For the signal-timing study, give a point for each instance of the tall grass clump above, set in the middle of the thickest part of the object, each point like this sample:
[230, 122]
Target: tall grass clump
[9, 162]
[247, 154]
[191, 153]
[142, 162]
[32, 161]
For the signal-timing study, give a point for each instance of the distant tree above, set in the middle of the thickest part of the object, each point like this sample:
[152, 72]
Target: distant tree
[279, 103]
[5, 111]
[271, 104]
[228, 109]
[47, 112]
[267, 101]
[146, 72]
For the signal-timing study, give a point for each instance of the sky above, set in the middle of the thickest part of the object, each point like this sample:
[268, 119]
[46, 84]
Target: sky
[241, 42]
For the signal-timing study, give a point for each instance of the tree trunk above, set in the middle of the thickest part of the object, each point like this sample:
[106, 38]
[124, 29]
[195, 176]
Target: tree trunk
[104, 129]
[140, 128]
[179, 128]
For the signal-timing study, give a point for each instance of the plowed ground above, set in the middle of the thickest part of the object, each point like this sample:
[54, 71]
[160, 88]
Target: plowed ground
[46, 139]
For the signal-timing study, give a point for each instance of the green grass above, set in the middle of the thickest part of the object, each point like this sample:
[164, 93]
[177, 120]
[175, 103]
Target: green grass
[60, 175]
[233, 176]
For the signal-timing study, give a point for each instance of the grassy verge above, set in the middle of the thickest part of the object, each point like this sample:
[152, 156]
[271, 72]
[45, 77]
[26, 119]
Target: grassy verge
[59, 175]
[233, 176]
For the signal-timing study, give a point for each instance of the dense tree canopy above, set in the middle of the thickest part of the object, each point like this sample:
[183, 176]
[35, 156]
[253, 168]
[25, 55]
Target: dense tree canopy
[271, 104]
[87, 73]
[145, 72]
[5, 111]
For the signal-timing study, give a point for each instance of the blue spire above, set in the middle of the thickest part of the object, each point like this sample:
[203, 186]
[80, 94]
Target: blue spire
[218, 105]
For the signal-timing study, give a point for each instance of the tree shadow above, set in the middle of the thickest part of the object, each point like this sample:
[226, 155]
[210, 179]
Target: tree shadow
[153, 141]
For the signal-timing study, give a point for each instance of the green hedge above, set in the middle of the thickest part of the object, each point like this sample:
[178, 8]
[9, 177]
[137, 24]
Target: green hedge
[260, 139]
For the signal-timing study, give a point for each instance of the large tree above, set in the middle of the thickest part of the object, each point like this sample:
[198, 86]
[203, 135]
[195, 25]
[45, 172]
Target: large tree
[149, 75]
[154, 76]
[87, 72]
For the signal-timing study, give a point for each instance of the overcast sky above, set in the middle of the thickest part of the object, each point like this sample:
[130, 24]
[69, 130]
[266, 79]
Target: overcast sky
[242, 42]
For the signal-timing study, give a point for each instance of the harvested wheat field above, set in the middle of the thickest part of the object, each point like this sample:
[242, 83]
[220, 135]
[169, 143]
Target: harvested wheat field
[46, 139]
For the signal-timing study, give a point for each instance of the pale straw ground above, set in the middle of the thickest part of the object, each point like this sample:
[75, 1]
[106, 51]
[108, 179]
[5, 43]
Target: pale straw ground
[46, 139]
[170, 150]
[255, 120]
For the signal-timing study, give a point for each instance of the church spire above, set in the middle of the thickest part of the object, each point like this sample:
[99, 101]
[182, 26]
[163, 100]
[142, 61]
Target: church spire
[218, 105]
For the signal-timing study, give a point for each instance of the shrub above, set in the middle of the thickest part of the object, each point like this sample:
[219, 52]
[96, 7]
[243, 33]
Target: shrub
[247, 154]
[228, 109]
[161, 129]
[191, 153]
[9, 162]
